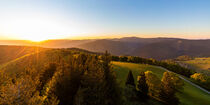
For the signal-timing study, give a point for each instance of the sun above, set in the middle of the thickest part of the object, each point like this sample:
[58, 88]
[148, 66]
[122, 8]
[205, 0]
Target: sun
[37, 39]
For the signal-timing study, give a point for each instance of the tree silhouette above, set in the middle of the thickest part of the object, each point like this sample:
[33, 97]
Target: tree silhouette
[130, 79]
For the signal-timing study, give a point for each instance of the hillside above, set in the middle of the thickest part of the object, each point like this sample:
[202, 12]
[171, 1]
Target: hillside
[47, 43]
[201, 65]
[189, 96]
[175, 48]
[114, 47]
[8, 53]
[58, 77]
[62, 43]
[32, 66]
[157, 48]
[39, 59]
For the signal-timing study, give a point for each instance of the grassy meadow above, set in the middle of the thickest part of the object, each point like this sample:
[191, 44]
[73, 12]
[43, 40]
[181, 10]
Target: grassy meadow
[201, 65]
[190, 95]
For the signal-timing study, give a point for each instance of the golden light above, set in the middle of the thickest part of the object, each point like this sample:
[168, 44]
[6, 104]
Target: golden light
[38, 27]
[35, 38]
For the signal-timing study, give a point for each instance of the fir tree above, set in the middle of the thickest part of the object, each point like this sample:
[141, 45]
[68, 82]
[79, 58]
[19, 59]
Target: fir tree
[130, 79]
[130, 89]
[110, 86]
[142, 85]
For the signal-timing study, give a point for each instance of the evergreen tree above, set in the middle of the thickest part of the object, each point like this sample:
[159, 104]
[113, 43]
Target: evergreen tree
[90, 89]
[111, 90]
[130, 88]
[130, 79]
[142, 85]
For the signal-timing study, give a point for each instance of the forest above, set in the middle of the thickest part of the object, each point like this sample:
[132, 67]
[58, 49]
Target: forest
[79, 77]
[66, 78]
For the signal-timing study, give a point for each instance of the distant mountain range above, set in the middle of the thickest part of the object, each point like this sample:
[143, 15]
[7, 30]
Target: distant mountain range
[157, 48]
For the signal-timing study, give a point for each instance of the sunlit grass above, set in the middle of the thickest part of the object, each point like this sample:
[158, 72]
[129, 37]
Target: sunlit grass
[189, 96]
[201, 65]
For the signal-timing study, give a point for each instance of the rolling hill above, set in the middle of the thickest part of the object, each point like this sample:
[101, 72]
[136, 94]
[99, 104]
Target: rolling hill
[8, 53]
[189, 96]
[201, 65]
[157, 48]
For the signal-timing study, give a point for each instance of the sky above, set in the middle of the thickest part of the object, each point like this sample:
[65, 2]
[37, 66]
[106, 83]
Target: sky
[59, 19]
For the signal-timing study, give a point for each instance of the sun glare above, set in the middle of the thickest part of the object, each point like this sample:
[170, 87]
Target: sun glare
[37, 39]
[37, 28]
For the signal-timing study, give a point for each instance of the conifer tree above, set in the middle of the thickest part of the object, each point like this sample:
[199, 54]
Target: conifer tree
[111, 89]
[130, 79]
[142, 85]
[130, 88]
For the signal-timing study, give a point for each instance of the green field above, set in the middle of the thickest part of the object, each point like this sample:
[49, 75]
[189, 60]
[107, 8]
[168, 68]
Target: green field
[189, 96]
[201, 65]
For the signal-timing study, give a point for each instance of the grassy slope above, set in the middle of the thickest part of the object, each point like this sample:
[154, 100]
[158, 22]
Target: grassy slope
[9, 53]
[14, 60]
[190, 95]
[200, 64]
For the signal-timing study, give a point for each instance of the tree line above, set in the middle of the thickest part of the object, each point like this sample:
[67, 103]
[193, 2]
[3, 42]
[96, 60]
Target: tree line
[165, 64]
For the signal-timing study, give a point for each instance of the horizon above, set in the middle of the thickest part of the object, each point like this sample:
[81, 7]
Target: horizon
[104, 52]
[101, 38]
[62, 19]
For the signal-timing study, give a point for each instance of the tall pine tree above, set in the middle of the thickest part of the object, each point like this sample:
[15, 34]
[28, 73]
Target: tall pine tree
[110, 86]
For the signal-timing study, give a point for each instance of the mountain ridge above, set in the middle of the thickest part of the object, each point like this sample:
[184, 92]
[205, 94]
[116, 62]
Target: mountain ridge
[158, 48]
